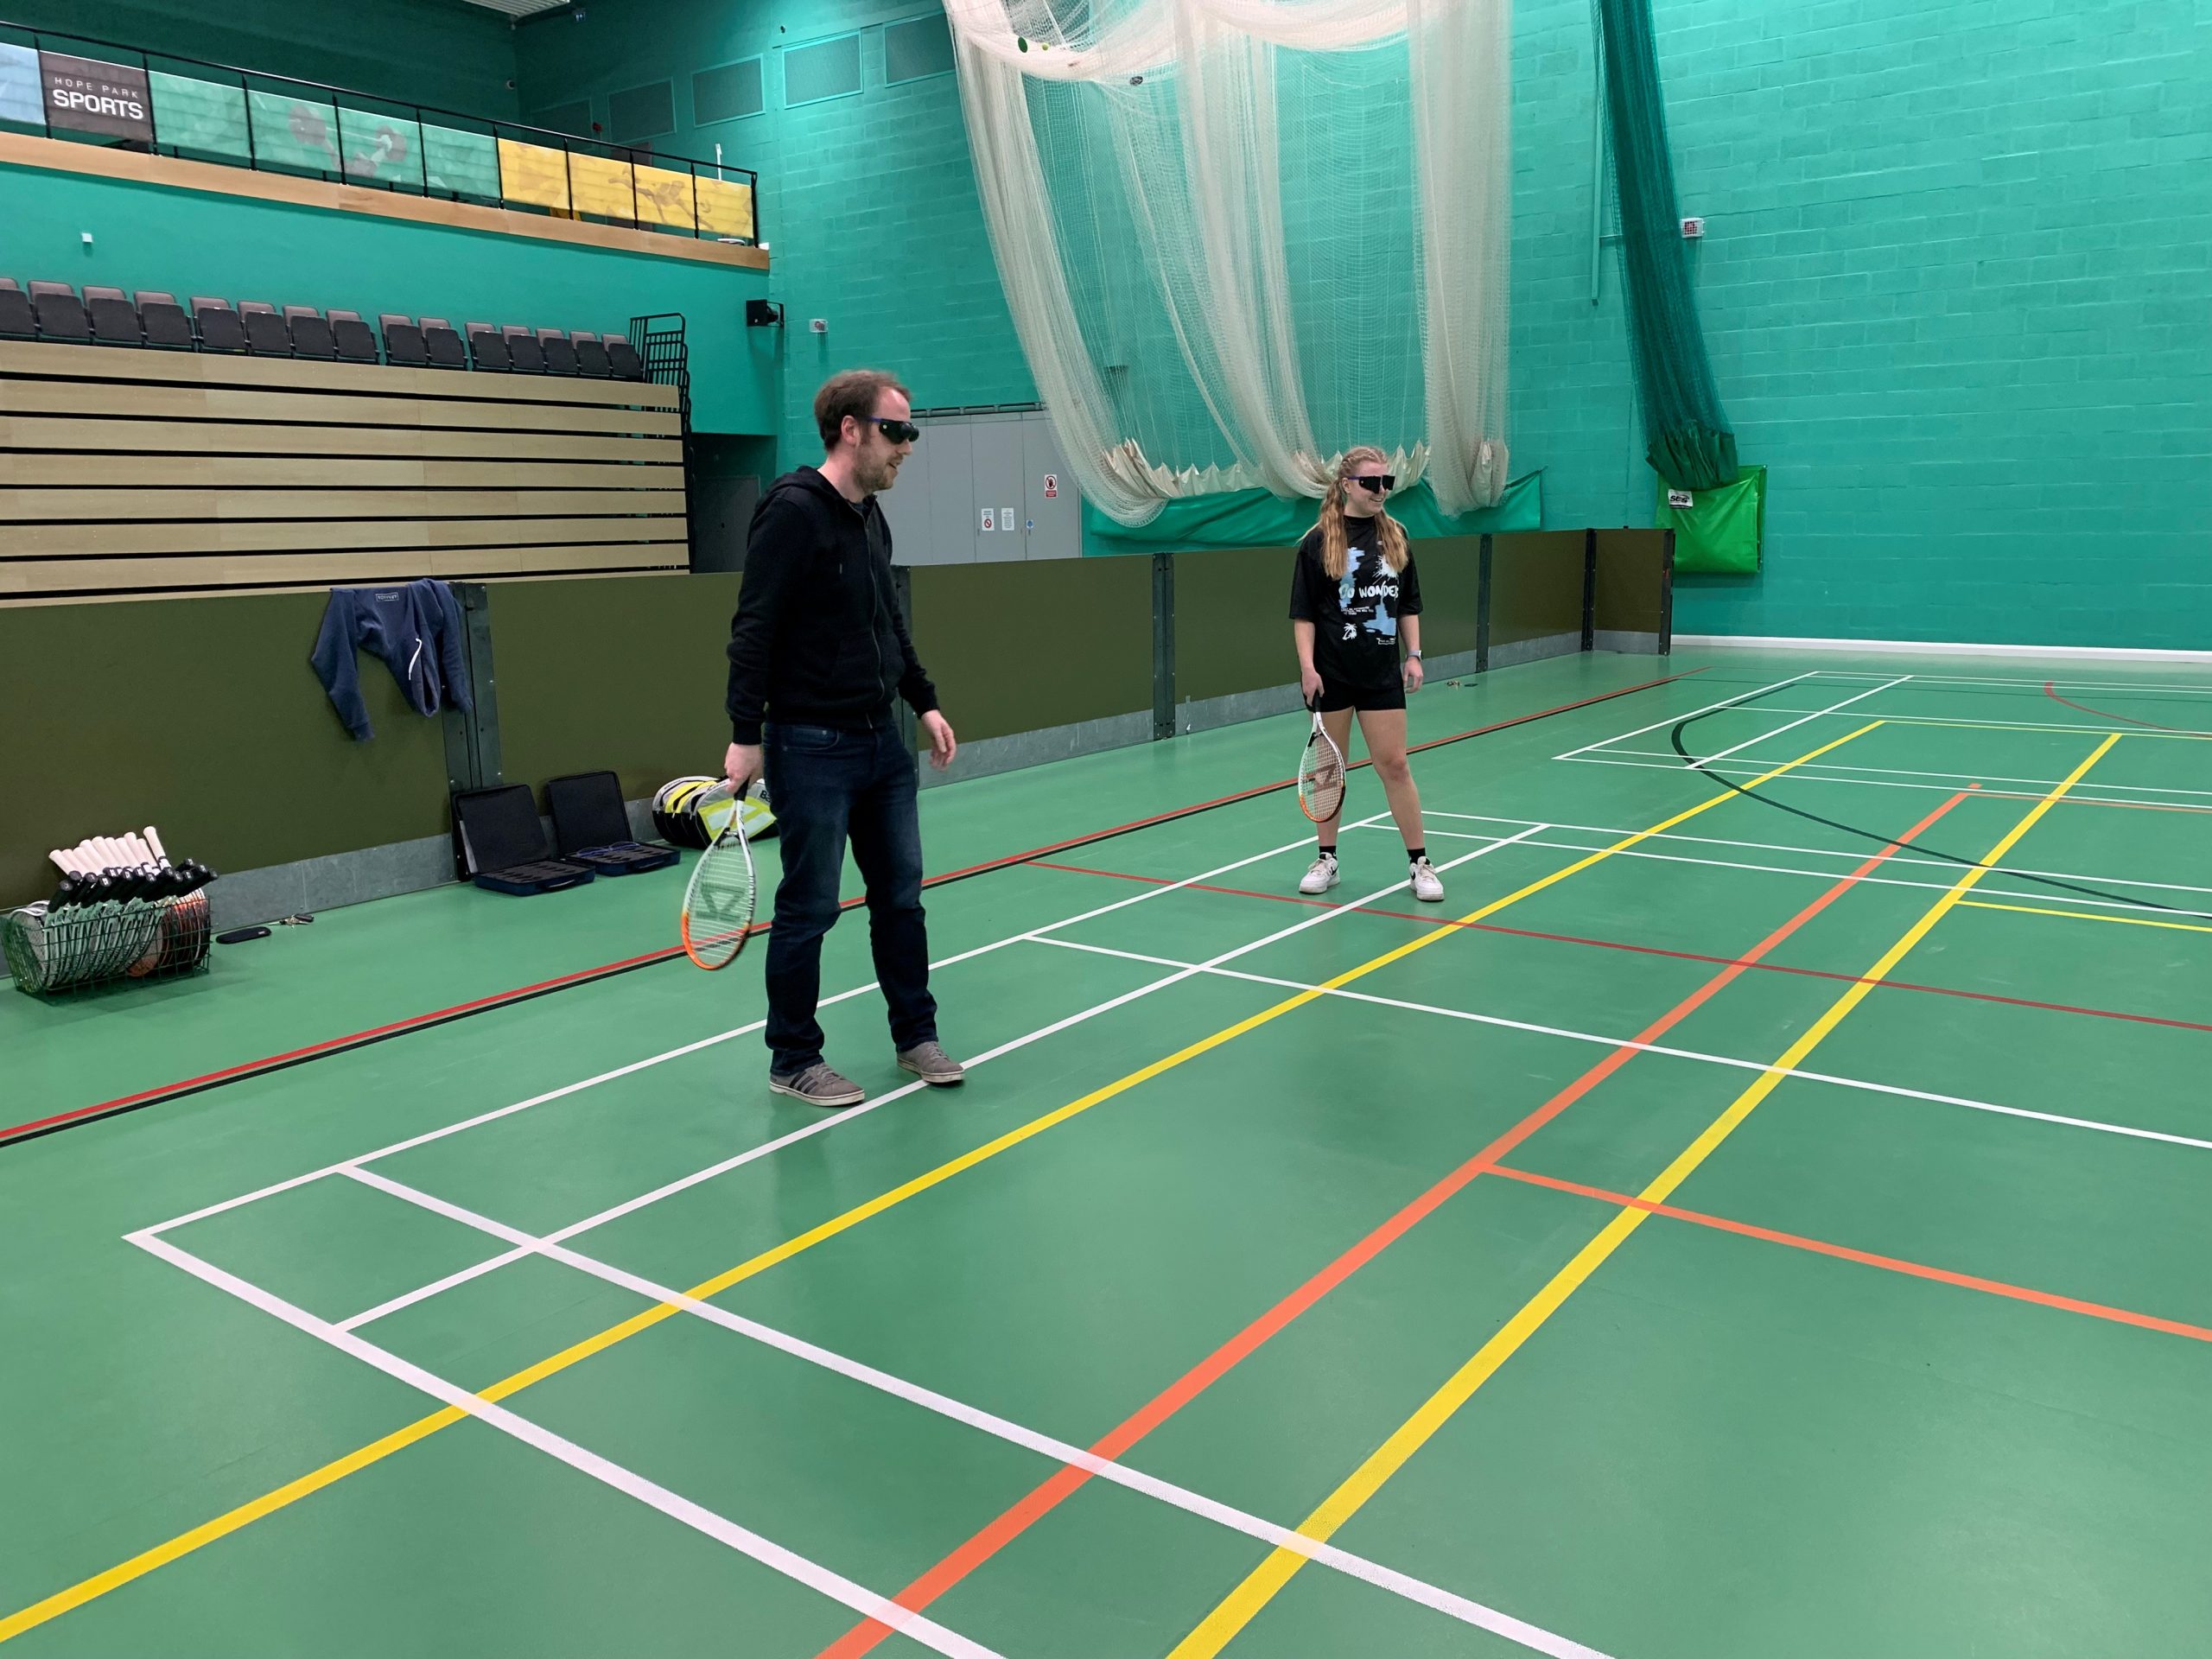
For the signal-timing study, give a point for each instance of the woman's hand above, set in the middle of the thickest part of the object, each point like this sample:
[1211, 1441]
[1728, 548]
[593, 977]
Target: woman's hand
[1414, 673]
[1309, 682]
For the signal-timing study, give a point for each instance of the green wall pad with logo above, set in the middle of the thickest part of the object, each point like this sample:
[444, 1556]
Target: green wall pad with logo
[1719, 530]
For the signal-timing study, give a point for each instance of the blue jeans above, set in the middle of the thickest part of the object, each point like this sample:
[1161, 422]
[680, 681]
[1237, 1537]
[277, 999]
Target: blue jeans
[826, 787]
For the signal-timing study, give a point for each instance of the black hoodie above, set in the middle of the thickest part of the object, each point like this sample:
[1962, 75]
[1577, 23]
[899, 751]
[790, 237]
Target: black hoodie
[818, 640]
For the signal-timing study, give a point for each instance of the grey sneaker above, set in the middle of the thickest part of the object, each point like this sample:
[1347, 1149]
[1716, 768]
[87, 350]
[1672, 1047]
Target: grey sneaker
[817, 1085]
[931, 1064]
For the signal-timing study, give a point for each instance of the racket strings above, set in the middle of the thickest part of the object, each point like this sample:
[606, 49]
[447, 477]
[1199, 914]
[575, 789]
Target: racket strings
[718, 906]
[1321, 779]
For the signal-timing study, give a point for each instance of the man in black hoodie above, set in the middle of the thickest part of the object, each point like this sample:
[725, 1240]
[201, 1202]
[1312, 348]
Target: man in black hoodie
[817, 654]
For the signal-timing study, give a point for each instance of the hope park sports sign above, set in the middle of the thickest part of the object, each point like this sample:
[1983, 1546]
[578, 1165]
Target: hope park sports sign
[91, 96]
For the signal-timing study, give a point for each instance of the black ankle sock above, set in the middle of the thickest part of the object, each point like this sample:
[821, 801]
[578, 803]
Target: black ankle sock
[1328, 849]
[1415, 854]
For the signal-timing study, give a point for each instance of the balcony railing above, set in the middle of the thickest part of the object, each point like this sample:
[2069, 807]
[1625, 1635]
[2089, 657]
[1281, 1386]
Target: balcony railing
[84, 90]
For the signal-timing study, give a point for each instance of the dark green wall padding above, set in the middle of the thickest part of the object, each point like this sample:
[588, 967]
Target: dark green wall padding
[1632, 584]
[1232, 612]
[1018, 647]
[625, 673]
[1536, 585]
[203, 717]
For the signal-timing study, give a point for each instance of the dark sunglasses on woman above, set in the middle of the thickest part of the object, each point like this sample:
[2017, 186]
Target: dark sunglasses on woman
[1377, 483]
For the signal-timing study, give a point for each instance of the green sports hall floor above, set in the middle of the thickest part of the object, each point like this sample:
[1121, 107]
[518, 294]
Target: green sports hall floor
[1773, 1224]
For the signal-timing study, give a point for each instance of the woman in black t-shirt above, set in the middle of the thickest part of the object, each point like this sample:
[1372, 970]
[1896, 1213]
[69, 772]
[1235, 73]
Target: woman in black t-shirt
[1353, 595]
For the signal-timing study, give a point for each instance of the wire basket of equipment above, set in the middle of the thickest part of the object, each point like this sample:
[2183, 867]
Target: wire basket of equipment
[123, 911]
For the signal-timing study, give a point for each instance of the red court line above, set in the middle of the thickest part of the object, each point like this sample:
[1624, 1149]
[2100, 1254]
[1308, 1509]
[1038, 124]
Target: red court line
[1648, 950]
[2050, 691]
[585, 975]
[864, 1636]
[1867, 1258]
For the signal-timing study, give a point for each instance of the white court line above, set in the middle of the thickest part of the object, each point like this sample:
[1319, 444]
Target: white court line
[814, 1576]
[2028, 686]
[2082, 900]
[1709, 708]
[412, 1141]
[1862, 1084]
[1834, 708]
[823, 1124]
[959, 1411]
[1697, 764]
[2078, 797]
[1819, 852]
[2010, 724]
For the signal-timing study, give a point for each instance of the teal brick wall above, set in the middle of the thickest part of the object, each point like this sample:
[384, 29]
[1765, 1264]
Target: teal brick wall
[1957, 279]
[867, 202]
[1957, 282]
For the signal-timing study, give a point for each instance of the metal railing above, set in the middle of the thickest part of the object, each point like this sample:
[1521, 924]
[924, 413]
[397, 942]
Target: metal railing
[276, 124]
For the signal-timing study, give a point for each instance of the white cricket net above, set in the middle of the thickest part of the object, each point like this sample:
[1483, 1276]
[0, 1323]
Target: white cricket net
[1239, 236]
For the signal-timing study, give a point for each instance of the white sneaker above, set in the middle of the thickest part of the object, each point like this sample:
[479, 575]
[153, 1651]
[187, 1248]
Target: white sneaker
[1427, 886]
[1323, 875]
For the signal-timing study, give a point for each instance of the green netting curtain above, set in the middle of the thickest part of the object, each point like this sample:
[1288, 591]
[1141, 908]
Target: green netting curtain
[1691, 446]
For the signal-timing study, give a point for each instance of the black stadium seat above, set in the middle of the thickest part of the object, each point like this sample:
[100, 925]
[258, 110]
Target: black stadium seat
[623, 358]
[266, 335]
[591, 356]
[560, 351]
[60, 313]
[523, 350]
[403, 341]
[311, 335]
[18, 321]
[355, 339]
[115, 319]
[219, 327]
[488, 348]
[444, 344]
[164, 321]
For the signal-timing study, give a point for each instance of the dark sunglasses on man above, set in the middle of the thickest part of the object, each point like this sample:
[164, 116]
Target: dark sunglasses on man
[898, 431]
[1377, 483]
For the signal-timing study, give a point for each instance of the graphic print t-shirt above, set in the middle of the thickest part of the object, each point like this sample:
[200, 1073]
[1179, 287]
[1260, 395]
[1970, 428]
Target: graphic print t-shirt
[1355, 617]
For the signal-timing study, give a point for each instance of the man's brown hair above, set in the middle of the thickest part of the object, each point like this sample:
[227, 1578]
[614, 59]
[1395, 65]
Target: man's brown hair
[854, 392]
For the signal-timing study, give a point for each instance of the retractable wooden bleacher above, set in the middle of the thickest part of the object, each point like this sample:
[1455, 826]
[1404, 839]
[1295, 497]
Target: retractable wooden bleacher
[138, 473]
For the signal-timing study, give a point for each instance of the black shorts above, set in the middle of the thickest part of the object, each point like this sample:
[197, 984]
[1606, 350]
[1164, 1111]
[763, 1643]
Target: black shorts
[1336, 694]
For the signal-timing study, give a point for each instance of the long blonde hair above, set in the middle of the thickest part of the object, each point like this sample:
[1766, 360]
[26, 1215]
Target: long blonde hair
[1336, 538]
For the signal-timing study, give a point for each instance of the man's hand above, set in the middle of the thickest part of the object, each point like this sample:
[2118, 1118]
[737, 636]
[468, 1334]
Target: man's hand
[742, 765]
[943, 745]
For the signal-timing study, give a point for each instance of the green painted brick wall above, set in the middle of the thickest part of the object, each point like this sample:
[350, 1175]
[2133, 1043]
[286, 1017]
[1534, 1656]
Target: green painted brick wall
[1957, 281]
[867, 202]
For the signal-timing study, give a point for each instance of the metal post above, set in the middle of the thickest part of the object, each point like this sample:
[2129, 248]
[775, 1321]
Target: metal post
[1590, 589]
[1666, 597]
[902, 589]
[1163, 646]
[483, 685]
[1482, 610]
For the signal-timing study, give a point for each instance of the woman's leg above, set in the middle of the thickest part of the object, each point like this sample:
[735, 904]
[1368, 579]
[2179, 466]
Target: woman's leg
[1385, 732]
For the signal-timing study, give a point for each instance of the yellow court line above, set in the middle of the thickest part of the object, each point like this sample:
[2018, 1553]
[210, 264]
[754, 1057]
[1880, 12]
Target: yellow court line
[1237, 1609]
[208, 1532]
[2087, 915]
